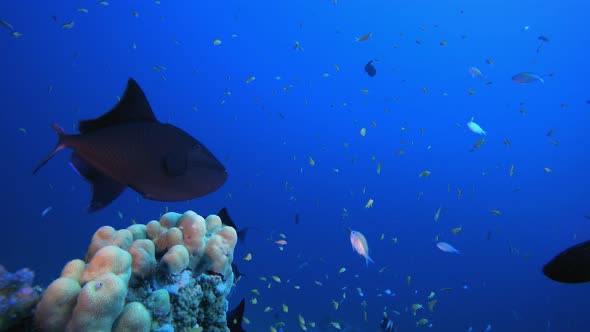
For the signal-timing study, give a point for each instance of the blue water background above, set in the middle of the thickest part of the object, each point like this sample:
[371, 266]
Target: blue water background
[265, 133]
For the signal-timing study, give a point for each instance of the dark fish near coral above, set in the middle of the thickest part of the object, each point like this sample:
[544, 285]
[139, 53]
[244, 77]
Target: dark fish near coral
[370, 69]
[226, 220]
[234, 317]
[237, 274]
[129, 147]
[571, 266]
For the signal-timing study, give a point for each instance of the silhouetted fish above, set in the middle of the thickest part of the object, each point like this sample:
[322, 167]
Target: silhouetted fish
[571, 266]
[226, 220]
[370, 69]
[234, 317]
[129, 147]
[236, 271]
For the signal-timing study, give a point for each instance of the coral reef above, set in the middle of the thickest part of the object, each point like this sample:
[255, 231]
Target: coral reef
[169, 275]
[18, 297]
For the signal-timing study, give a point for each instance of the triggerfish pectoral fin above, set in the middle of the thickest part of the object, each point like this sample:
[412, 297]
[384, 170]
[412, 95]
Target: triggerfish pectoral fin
[104, 189]
[234, 317]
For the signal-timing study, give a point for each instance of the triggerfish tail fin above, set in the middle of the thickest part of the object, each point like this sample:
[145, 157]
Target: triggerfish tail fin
[60, 146]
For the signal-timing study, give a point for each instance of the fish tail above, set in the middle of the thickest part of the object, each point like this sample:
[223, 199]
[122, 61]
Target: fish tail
[368, 259]
[60, 146]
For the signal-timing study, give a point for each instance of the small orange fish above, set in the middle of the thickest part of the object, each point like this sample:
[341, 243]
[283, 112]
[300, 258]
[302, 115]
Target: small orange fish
[363, 38]
[281, 242]
[359, 244]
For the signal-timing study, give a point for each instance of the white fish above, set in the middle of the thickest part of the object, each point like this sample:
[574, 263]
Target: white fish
[46, 211]
[443, 246]
[474, 127]
[359, 244]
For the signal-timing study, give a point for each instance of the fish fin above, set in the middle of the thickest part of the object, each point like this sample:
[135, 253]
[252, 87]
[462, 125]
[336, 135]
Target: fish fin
[226, 219]
[235, 316]
[368, 259]
[133, 107]
[104, 188]
[60, 146]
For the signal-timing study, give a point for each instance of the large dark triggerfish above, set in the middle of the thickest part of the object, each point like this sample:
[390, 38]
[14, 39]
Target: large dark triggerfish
[571, 265]
[129, 147]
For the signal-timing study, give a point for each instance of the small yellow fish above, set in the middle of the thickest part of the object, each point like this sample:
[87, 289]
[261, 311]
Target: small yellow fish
[267, 309]
[364, 38]
[342, 270]
[431, 295]
[217, 42]
[254, 301]
[457, 230]
[301, 319]
[83, 10]
[424, 174]
[477, 144]
[336, 304]
[285, 308]
[336, 325]
[273, 329]
[495, 212]
[437, 214]
[369, 203]
[547, 170]
[511, 170]
[103, 3]
[431, 305]
[6, 24]
[255, 292]
[68, 25]
[416, 307]
[422, 322]
[250, 79]
[336, 67]
[363, 131]
[364, 91]
[276, 279]
[311, 161]
[248, 257]
[297, 46]
[379, 167]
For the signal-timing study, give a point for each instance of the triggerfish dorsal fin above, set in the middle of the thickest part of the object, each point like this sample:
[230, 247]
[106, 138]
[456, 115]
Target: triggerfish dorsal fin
[133, 107]
[235, 316]
[226, 219]
[104, 188]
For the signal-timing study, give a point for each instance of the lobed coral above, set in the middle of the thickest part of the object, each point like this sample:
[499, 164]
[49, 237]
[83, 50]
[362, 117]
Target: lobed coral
[18, 296]
[169, 275]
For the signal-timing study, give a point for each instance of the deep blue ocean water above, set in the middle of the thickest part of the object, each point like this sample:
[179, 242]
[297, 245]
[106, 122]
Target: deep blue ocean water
[299, 107]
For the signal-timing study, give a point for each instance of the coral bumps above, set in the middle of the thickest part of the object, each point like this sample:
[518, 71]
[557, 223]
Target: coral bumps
[169, 275]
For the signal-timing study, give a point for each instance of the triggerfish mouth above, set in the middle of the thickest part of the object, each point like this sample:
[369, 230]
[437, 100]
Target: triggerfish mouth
[359, 244]
[129, 147]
